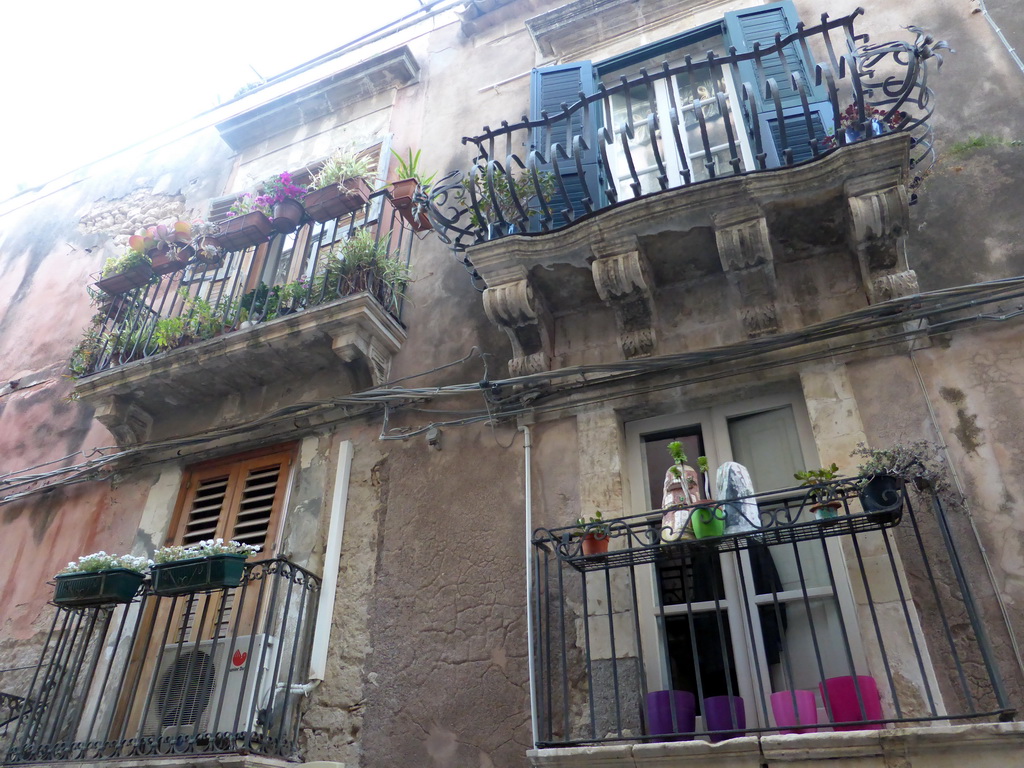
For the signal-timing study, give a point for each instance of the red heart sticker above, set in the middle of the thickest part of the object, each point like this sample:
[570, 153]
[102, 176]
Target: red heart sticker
[239, 658]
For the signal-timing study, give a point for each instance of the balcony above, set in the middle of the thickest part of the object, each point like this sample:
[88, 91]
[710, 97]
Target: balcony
[286, 309]
[200, 674]
[616, 200]
[862, 621]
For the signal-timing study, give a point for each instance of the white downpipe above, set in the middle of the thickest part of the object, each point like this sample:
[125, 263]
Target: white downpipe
[527, 446]
[332, 561]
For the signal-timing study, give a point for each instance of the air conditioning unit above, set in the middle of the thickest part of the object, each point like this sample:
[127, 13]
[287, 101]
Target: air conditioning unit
[202, 689]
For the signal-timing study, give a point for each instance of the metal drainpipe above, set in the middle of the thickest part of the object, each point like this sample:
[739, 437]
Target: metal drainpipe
[527, 447]
[1000, 35]
[970, 516]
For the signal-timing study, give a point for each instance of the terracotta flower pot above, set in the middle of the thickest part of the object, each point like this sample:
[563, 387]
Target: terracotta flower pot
[336, 200]
[243, 231]
[594, 544]
[135, 277]
[166, 261]
[287, 215]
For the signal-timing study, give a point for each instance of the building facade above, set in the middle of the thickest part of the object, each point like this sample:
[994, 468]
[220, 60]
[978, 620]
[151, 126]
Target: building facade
[770, 232]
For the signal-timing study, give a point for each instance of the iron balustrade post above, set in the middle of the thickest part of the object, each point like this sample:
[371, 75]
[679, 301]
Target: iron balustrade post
[971, 606]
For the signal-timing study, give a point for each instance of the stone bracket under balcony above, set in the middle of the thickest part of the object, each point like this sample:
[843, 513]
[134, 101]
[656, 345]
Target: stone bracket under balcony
[352, 339]
[762, 245]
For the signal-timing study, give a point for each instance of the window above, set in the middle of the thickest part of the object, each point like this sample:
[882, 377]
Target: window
[711, 144]
[751, 622]
[240, 499]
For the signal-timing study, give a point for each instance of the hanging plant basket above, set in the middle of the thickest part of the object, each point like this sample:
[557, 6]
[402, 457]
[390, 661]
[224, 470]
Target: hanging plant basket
[170, 260]
[198, 574]
[116, 585]
[134, 277]
[402, 196]
[334, 200]
[287, 216]
[242, 231]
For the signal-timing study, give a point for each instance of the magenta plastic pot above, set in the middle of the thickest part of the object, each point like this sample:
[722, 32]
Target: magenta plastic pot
[671, 712]
[794, 717]
[840, 695]
[724, 713]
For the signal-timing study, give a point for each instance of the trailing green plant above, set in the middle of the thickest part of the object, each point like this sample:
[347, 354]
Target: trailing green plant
[101, 561]
[705, 469]
[409, 168]
[342, 165]
[815, 480]
[169, 332]
[85, 353]
[919, 462]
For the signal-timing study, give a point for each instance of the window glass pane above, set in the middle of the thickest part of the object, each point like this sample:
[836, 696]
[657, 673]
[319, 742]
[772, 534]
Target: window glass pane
[687, 577]
[810, 634]
[701, 645]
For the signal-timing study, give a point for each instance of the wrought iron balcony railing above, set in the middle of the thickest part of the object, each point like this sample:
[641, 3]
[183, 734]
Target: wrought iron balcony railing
[838, 621]
[658, 131]
[200, 673]
[367, 250]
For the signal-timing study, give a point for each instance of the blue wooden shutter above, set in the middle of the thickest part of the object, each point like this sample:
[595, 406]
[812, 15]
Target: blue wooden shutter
[550, 87]
[760, 25]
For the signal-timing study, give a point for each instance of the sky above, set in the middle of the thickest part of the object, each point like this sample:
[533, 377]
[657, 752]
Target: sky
[79, 81]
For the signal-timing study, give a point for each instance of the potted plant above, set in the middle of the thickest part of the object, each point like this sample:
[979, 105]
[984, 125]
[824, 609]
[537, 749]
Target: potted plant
[475, 194]
[132, 269]
[403, 191]
[593, 533]
[853, 128]
[278, 197]
[167, 246]
[825, 506]
[211, 564]
[339, 187]
[246, 225]
[679, 489]
[206, 241]
[360, 263]
[708, 521]
[885, 471]
[100, 579]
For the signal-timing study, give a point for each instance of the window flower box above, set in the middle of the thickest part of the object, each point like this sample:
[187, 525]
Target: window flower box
[198, 574]
[170, 260]
[336, 199]
[115, 585]
[121, 282]
[242, 231]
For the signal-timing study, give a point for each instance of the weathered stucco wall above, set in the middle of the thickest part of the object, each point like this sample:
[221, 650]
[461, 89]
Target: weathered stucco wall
[428, 654]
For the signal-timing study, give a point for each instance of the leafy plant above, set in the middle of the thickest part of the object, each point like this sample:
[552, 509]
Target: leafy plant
[101, 561]
[594, 525]
[361, 263]
[919, 461]
[341, 166]
[208, 548]
[816, 478]
[705, 470]
[474, 186]
[160, 235]
[169, 332]
[85, 352]
[409, 168]
[675, 450]
[115, 265]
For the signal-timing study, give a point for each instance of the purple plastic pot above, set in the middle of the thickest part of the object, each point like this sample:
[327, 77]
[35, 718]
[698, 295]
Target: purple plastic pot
[662, 705]
[723, 713]
[842, 701]
[790, 718]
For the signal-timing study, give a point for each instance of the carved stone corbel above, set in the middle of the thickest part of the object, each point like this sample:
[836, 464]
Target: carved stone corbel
[879, 220]
[127, 421]
[352, 344]
[745, 251]
[624, 283]
[522, 314]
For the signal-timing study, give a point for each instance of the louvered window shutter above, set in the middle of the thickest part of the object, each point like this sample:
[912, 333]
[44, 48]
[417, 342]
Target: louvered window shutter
[550, 87]
[760, 25]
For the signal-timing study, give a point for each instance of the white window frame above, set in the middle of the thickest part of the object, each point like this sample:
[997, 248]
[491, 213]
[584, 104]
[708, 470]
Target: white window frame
[714, 425]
